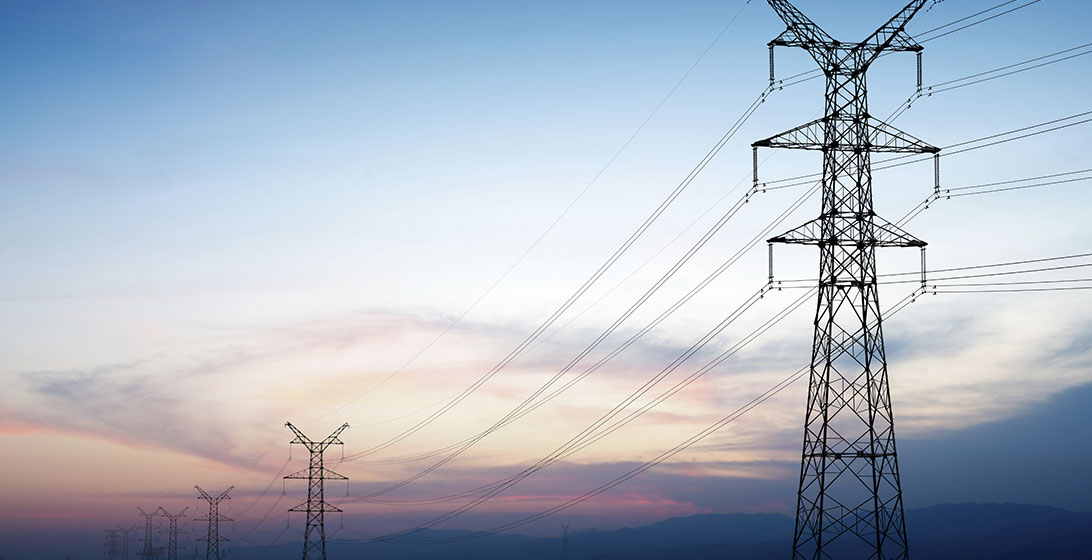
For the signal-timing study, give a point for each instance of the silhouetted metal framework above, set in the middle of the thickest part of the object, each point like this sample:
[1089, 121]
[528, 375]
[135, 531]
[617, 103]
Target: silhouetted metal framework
[850, 499]
[172, 531]
[149, 551]
[110, 548]
[316, 507]
[125, 541]
[213, 539]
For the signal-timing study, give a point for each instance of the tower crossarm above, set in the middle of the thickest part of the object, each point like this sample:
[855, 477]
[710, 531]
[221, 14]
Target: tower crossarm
[311, 445]
[835, 56]
[300, 437]
[167, 514]
[206, 496]
[322, 506]
[849, 230]
[879, 137]
[307, 473]
[892, 36]
[801, 32]
[332, 438]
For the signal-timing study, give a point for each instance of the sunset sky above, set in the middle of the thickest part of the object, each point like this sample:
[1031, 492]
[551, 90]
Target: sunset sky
[219, 217]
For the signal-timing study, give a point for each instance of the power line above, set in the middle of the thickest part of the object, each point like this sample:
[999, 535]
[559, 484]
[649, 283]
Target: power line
[713, 428]
[464, 394]
[974, 15]
[679, 303]
[564, 212]
[580, 292]
[629, 312]
[516, 413]
[969, 80]
[972, 24]
[588, 435]
[1013, 290]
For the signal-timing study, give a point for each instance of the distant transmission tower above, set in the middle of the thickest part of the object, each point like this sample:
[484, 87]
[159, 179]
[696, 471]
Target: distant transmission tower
[110, 547]
[565, 541]
[850, 500]
[148, 552]
[212, 547]
[172, 531]
[314, 534]
[125, 541]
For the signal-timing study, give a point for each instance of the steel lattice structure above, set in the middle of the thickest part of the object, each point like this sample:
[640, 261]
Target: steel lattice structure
[110, 548]
[850, 499]
[316, 507]
[149, 551]
[172, 531]
[212, 546]
[125, 541]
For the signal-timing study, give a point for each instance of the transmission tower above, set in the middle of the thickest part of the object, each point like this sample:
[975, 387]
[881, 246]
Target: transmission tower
[110, 547]
[850, 503]
[148, 552]
[565, 541]
[125, 541]
[172, 531]
[212, 548]
[314, 545]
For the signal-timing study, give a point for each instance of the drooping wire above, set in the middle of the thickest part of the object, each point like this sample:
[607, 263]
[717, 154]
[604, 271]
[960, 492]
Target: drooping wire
[1009, 139]
[557, 220]
[759, 237]
[739, 412]
[592, 434]
[983, 188]
[495, 488]
[462, 395]
[972, 24]
[523, 346]
[522, 410]
[986, 76]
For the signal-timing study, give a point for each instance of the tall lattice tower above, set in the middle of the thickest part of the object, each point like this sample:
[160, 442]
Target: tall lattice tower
[850, 498]
[172, 531]
[316, 507]
[212, 541]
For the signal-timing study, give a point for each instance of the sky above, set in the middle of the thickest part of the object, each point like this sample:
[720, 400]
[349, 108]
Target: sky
[219, 217]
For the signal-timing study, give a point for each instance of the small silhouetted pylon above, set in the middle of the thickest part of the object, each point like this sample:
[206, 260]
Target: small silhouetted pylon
[125, 541]
[172, 531]
[314, 534]
[148, 551]
[212, 548]
[565, 541]
[110, 548]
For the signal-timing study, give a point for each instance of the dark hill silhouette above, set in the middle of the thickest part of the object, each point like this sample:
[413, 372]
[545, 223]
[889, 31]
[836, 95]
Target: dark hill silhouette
[948, 531]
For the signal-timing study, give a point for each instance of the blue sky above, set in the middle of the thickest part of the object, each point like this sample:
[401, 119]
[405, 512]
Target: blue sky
[219, 217]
